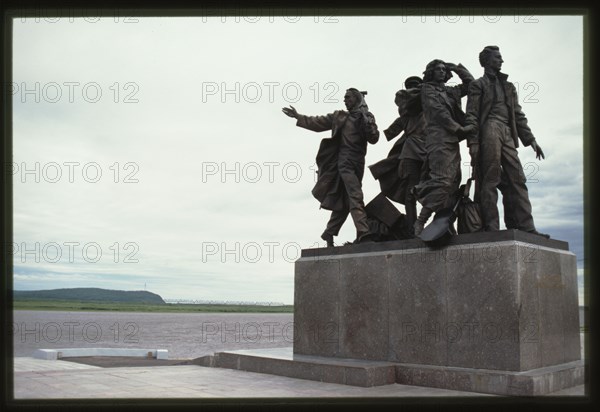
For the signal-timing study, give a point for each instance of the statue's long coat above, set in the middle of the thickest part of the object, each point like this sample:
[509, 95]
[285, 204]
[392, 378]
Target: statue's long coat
[329, 189]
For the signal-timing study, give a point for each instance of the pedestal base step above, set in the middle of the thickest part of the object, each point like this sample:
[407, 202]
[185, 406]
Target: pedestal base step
[533, 382]
[355, 372]
[282, 362]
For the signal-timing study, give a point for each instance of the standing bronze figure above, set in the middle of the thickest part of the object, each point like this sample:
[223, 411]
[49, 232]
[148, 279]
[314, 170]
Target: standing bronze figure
[404, 166]
[341, 162]
[494, 112]
[444, 129]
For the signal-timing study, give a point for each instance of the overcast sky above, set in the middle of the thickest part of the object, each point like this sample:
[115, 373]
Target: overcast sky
[160, 142]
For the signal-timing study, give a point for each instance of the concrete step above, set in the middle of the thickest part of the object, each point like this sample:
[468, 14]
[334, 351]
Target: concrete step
[365, 373]
[282, 362]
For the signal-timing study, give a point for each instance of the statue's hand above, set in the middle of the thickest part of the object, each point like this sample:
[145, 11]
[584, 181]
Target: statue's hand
[450, 66]
[539, 153]
[290, 111]
[465, 131]
[368, 117]
[474, 153]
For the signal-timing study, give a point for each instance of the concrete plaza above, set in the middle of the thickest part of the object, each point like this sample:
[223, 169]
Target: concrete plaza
[44, 379]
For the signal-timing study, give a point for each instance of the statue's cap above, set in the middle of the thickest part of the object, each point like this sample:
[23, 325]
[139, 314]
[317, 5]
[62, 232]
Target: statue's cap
[413, 79]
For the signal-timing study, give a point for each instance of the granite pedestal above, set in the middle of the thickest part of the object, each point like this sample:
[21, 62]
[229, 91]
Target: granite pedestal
[490, 312]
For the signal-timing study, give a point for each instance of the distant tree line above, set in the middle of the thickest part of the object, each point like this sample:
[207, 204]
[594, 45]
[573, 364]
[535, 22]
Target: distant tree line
[221, 302]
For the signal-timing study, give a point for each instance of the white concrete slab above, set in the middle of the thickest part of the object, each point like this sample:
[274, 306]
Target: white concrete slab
[54, 354]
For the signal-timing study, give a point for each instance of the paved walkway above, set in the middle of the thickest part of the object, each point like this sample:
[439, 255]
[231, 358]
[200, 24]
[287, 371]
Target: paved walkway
[44, 379]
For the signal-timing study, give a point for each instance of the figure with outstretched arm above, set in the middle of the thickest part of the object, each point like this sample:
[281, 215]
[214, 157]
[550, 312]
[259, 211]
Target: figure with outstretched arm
[341, 162]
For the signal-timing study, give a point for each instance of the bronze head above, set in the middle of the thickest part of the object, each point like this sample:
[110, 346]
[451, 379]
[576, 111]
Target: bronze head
[432, 66]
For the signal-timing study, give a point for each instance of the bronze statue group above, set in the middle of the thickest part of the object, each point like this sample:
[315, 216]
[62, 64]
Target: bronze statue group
[424, 165]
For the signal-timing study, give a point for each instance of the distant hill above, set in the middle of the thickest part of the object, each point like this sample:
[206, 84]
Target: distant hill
[92, 295]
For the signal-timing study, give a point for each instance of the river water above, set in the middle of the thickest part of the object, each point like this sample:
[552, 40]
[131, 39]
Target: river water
[184, 335]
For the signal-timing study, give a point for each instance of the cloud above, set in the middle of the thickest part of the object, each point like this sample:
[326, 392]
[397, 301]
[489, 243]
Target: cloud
[181, 96]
